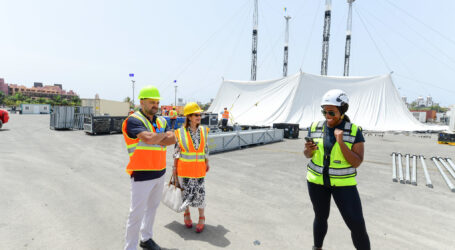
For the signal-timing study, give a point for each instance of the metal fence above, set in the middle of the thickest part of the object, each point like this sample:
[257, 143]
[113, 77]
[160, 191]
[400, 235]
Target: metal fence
[69, 117]
[219, 142]
[62, 117]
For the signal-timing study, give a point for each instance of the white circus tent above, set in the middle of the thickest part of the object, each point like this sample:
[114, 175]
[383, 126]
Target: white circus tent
[375, 103]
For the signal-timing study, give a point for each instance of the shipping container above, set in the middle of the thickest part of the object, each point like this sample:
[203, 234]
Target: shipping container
[107, 107]
[35, 109]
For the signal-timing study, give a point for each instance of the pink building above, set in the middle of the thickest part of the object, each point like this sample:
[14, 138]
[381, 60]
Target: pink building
[3, 86]
[37, 91]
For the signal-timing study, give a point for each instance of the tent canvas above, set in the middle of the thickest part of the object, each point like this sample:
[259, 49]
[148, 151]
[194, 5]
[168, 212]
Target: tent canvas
[374, 102]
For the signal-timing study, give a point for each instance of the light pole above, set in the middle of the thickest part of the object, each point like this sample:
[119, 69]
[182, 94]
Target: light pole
[175, 100]
[133, 81]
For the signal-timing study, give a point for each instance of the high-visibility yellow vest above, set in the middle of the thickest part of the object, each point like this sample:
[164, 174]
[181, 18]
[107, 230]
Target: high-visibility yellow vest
[341, 172]
[191, 163]
[172, 114]
[143, 156]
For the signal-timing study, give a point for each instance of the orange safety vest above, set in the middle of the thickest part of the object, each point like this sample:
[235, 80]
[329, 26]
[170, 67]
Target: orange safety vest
[226, 114]
[173, 114]
[191, 163]
[143, 156]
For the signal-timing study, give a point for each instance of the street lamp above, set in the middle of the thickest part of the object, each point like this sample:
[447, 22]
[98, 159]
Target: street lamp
[132, 81]
[175, 100]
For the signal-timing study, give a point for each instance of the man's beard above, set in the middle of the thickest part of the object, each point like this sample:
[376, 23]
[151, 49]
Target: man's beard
[151, 111]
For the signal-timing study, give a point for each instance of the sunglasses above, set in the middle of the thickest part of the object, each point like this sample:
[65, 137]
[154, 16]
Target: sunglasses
[197, 115]
[331, 113]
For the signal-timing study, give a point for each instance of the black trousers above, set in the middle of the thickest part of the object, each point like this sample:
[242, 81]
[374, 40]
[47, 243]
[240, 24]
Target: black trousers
[224, 123]
[348, 202]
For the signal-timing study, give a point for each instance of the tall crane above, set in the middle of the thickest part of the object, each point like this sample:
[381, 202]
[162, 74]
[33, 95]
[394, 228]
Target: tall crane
[254, 55]
[325, 36]
[286, 47]
[347, 53]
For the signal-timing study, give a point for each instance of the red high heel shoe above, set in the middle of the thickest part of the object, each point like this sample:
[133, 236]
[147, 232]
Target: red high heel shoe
[188, 223]
[200, 227]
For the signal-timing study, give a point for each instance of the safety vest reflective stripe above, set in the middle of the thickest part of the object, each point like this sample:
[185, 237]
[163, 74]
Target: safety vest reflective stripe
[341, 172]
[142, 145]
[316, 135]
[333, 171]
[183, 141]
[192, 158]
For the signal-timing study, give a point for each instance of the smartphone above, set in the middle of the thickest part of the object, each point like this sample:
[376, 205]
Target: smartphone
[308, 139]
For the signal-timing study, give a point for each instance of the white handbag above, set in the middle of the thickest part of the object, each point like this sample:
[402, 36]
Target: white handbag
[172, 195]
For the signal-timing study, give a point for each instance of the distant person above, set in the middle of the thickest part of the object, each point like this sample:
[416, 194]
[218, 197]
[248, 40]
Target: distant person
[336, 153]
[146, 136]
[173, 117]
[224, 121]
[191, 163]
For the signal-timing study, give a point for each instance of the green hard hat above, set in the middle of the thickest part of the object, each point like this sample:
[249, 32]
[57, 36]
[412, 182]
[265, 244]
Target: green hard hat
[149, 92]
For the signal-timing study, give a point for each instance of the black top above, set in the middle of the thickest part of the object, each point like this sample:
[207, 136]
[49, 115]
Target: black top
[135, 126]
[329, 141]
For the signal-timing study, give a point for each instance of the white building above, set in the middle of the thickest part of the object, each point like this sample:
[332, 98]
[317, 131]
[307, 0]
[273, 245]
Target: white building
[420, 101]
[429, 101]
[35, 109]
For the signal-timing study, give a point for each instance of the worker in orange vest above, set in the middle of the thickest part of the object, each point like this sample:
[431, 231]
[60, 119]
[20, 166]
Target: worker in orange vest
[146, 136]
[225, 119]
[191, 163]
[173, 117]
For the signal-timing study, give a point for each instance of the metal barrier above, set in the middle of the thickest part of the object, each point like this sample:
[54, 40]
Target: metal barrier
[62, 117]
[220, 142]
[69, 117]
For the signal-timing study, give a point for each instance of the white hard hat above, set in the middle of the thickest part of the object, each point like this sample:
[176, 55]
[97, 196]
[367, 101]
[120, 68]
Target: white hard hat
[336, 97]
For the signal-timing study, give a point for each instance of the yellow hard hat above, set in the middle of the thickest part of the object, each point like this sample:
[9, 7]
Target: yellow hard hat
[191, 108]
[149, 92]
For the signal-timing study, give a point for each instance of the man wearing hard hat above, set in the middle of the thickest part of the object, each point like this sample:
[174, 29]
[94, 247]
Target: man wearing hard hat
[173, 117]
[146, 136]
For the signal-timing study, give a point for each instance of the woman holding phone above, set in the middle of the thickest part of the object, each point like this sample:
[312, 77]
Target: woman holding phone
[336, 148]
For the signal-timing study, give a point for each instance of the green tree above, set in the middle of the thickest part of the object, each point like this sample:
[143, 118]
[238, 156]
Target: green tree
[10, 101]
[20, 97]
[65, 102]
[57, 99]
[75, 100]
[2, 97]
[128, 99]
[41, 100]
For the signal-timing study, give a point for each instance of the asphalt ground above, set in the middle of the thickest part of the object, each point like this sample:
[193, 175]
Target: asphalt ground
[69, 190]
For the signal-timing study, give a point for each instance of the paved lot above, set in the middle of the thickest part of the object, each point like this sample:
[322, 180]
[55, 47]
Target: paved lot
[69, 190]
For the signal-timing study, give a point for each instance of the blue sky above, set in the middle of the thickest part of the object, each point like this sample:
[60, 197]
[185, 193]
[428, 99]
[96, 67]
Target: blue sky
[92, 46]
